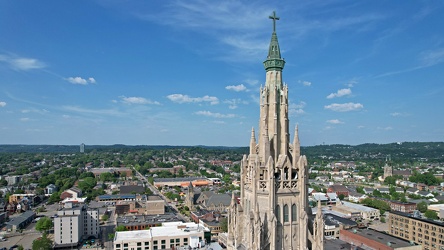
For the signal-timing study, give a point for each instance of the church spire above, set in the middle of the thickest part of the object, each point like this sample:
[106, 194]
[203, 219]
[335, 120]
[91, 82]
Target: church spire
[296, 144]
[252, 142]
[274, 60]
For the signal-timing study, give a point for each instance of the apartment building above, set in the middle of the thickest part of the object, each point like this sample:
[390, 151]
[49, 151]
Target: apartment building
[428, 233]
[74, 223]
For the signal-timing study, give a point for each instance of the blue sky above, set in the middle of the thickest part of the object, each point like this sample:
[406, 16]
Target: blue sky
[185, 72]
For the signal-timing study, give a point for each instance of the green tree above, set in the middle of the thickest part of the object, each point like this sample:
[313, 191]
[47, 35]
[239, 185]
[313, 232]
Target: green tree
[121, 228]
[341, 197]
[180, 173]
[360, 189]
[106, 177]
[87, 184]
[224, 224]
[105, 217]
[44, 224]
[110, 236]
[43, 243]
[430, 214]
[3, 183]
[422, 206]
[382, 219]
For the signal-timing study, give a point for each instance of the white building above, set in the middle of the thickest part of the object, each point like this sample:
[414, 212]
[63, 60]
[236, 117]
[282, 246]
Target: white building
[169, 235]
[75, 223]
[12, 180]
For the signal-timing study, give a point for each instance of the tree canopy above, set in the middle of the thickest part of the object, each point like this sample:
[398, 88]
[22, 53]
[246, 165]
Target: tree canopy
[44, 224]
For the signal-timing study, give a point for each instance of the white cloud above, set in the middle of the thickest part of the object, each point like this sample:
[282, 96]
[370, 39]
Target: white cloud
[233, 103]
[34, 110]
[236, 88]
[335, 121]
[344, 107]
[296, 109]
[305, 83]
[2, 104]
[385, 128]
[85, 111]
[137, 100]
[430, 58]
[361, 126]
[352, 83]
[215, 115]
[252, 82]
[340, 93]
[22, 63]
[24, 119]
[179, 98]
[80, 80]
[397, 114]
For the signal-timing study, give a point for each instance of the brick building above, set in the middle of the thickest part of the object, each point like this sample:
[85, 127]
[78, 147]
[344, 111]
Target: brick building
[429, 233]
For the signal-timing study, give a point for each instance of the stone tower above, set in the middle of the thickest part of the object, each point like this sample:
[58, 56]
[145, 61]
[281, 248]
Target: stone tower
[189, 202]
[273, 212]
[388, 169]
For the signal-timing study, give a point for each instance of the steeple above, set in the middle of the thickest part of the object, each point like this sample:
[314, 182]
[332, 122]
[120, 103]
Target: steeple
[274, 60]
[252, 142]
[296, 144]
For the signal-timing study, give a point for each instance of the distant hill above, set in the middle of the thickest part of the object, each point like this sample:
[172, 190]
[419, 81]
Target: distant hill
[430, 151]
[12, 148]
[425, 151]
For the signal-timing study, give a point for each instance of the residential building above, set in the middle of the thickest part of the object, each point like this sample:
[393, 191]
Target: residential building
[73, 192]
[338, 189]
[74, 223]
[12, 180]
[428, 233]
[50, 189]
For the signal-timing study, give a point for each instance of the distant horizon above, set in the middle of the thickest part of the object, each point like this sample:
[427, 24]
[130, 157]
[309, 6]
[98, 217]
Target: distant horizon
[189, 72]
[170, 145]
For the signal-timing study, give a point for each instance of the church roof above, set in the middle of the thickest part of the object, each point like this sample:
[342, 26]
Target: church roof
[217, 199]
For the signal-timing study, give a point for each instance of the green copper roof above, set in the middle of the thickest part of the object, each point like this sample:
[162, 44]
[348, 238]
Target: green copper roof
[274, 60]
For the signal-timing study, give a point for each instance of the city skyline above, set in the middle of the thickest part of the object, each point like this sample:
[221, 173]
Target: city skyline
[189, 72]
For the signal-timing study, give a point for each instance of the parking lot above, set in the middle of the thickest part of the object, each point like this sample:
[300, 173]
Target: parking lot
[25, 238]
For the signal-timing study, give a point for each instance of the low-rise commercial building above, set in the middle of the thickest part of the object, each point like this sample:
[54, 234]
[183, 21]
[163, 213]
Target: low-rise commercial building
[19, 222]
[371, 239]
[356, 211]
[169, 236]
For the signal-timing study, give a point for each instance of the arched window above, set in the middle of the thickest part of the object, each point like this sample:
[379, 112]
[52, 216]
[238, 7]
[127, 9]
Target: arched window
[293, 213]
[286, 219]
[278, 213]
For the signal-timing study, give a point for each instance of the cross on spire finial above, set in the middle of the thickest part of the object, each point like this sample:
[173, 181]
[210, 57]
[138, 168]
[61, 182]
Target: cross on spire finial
[274, 17]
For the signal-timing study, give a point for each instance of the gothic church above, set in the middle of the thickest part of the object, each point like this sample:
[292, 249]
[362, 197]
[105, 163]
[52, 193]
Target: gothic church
[273, 211]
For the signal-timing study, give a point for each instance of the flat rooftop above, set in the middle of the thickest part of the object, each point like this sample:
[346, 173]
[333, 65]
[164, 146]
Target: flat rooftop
[358, 207]
[133, 220]
[380, 237]
[172, 229]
